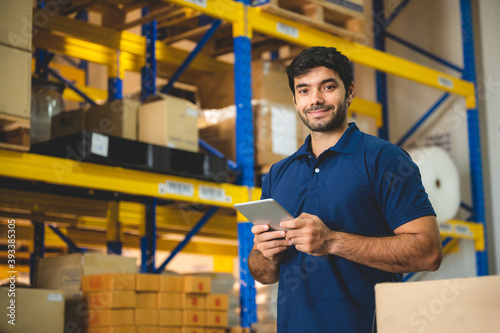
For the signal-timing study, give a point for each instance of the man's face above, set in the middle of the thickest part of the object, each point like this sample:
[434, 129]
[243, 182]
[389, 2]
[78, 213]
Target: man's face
[320, 99]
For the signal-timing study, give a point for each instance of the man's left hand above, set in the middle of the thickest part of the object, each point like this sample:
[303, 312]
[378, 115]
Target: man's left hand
[309, 234]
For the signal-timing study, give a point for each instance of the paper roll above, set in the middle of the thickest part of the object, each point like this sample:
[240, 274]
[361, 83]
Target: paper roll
[440, 178]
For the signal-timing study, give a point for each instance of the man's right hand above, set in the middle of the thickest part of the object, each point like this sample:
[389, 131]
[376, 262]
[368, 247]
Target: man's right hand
[271, 244]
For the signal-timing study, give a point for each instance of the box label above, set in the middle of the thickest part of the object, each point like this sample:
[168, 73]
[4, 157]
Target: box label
[213, 193]
[177, 188]
[99, 145]
[286, 29]
[284, 140]
[201, 3]
[70, 276]
[191, 112]
[52, 297]
[445, 82]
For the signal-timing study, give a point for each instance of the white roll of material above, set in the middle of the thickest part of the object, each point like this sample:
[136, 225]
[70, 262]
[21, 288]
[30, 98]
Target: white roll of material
[441, 180]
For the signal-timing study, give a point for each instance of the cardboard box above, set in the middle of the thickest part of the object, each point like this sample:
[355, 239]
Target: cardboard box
[117, 118]
[221, 136]
[170, 283]
[31, 310]
[193, 301]
[104, 282]
[146, 317]
[147, 329]
[239, 330]
[169, 121]
[15, 85]
[170, 329]
[219, 302]
[110, 317]
[269, 81]
[454, 305]
[216, 318]
[112, 329]
[65, 272]
[111, 299]
[169, 317]
[169, 300]
[66, 123]
[146, 300]
[16, 20]
[193, 330]
[147, 282]
[214, 330]
[196, 284]
[193, 318]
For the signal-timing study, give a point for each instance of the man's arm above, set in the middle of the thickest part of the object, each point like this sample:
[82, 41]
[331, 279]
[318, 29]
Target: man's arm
[265, 258]
[415, 247]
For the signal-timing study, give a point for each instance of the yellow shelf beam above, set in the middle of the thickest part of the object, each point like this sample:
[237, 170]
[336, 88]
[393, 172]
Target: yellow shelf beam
[464, 230]
[101, 177]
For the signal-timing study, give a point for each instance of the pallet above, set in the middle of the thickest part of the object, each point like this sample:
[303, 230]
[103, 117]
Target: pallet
[321, 14]
[14, 132]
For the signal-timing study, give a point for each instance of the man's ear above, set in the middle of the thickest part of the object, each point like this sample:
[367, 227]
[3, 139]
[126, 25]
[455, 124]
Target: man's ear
[350, 93]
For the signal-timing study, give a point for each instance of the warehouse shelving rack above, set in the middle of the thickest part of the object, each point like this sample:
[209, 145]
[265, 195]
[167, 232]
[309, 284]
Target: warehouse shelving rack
[124, 51]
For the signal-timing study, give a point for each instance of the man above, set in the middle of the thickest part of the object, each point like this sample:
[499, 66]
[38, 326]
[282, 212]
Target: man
[361, 213]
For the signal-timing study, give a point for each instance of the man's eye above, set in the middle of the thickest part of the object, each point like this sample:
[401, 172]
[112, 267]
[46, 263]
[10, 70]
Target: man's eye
[329, 87]
[302, 91]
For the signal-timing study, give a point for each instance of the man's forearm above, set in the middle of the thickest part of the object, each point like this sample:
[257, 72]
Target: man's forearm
[263, 270]
[397, 254]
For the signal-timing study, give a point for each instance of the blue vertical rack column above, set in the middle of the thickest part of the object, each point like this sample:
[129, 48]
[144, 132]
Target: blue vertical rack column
[476, 168]
[245, 159]
[148, 72]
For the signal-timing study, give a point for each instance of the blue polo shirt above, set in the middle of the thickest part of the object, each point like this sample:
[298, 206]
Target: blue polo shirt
[362, 185]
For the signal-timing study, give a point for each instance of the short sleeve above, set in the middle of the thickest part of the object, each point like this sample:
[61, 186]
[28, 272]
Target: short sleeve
[398, 187]
[266, 185]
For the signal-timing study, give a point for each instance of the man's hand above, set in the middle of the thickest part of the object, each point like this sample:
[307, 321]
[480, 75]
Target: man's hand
[271, 244]
[309, 234]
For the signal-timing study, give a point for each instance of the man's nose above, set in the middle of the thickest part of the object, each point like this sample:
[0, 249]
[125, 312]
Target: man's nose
[317, 98]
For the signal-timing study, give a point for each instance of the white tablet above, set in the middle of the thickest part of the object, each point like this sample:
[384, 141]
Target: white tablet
[265, 211]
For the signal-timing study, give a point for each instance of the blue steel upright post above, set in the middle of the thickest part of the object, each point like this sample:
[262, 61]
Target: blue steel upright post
[244, 158]
[148, 72]
[476, 168]
[41, 56]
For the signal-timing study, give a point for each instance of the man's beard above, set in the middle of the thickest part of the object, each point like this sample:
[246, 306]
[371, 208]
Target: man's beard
[332, 124]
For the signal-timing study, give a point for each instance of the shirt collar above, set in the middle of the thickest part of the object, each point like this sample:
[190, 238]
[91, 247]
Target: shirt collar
[345, 145]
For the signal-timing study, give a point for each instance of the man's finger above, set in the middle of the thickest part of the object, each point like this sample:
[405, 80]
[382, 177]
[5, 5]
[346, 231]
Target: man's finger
[258, 229]
[293, 224]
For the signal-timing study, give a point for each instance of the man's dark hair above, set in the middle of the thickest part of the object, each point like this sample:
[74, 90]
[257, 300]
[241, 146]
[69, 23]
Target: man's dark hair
[318, 56]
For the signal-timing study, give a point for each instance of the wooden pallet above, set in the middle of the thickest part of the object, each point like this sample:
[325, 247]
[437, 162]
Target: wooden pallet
[321, 14]
[14, 132]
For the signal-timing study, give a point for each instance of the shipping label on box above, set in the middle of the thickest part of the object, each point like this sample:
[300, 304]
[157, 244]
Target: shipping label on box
[147, 282]
[169, 317]
[169, 300]
[196, 284]
[193, 318]
[217, 302]
[108, 282]
[193, 301]
[110, 317]
[146, 317]
[454, 305]
[111, 299]
[170, 283]
[146, 300]
[216, 318]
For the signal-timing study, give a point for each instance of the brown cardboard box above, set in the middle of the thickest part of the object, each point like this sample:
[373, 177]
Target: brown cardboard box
[170, 329]
[112, 329]
[239, 330]
[146, 317]
[216, 318]
[147, 329]
[169, 121]
[15, 85]
[193, 330]
[104, 282]
[218, 302]
[193, 301]
[214, 330]
[16, 24]
[66, 123]
[117, 118]
[171, 283]
[110, 317]
[169, 300]
[193, 318]
[221, 136]
[111, 299]
[31, 310]
[147, 282]
[196, 284]
[269, 81]
[169, 317]
[65, 272]
[146, 300]
[454, 305]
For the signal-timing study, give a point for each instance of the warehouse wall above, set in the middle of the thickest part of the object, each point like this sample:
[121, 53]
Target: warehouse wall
[488, 59]
[433, 26]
